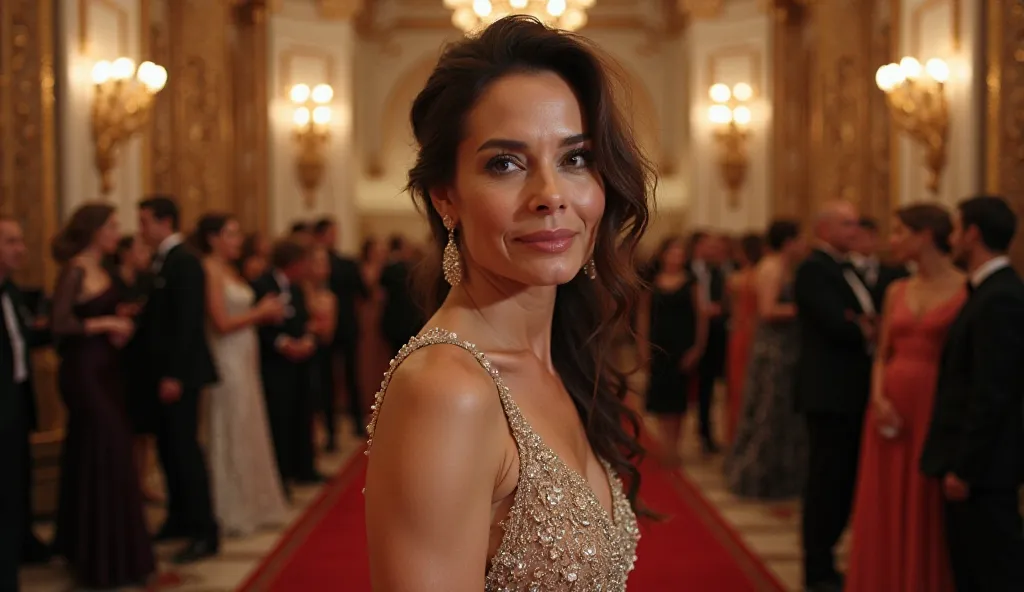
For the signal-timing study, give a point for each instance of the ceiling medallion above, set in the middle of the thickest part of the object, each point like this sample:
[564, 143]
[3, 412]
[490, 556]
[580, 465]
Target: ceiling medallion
[473, 15]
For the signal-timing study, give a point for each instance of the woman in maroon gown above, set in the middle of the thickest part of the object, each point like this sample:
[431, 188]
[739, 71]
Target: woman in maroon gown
[101, 530]
[899, 541]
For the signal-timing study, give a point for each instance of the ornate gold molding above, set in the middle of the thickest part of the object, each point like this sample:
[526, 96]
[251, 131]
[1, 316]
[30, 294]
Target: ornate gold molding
[85, 8]
[1005, 110]
[791, 118]
[702, 9]
[251, 115]
[340, 10]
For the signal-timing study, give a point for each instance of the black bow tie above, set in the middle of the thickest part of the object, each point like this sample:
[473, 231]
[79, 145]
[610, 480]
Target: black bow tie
[4, 287]
[970, 287]
[848, 265]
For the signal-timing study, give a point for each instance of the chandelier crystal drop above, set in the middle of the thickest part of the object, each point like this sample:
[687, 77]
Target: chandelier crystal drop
[471, 16]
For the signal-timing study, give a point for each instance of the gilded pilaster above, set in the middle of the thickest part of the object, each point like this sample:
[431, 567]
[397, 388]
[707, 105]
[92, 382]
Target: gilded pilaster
[251, 116]
[791, 113]
[1005, 147]
[27, 142]
[200, 89]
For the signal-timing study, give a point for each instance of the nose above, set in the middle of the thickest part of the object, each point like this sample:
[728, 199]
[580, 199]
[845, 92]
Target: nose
[545, 193]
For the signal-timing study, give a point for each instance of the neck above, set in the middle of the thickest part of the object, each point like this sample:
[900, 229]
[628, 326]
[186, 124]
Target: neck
[932, 263]
[127, 271]
[979, 258]
[517, 318]
[92, 254]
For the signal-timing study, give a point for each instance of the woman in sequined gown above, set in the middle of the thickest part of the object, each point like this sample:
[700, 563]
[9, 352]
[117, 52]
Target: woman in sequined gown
[246, 488]
[499, 459]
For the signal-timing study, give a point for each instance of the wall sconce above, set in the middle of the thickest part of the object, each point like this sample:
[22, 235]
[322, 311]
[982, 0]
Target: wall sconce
[731, 118]
[917, 101]
[311, 118]
[121, 106]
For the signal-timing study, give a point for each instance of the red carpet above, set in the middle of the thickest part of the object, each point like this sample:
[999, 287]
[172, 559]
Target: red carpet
[693, 549]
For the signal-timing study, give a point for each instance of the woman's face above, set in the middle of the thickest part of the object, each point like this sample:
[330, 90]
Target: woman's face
[228, 242]
[262, 246]
[319, 265]
[526, 198]
[139, 255]
[108, 236]
[906, 244]
[674, 257]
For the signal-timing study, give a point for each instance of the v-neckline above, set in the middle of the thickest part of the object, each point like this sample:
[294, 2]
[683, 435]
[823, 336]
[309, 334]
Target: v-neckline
[499, 382]
[918, 317]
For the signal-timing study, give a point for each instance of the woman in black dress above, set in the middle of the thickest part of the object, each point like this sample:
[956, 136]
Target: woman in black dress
[673, 336]
[130, 272]
[100, 526]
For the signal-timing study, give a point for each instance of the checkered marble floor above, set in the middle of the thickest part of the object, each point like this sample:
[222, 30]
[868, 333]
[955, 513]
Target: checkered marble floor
[771, 531]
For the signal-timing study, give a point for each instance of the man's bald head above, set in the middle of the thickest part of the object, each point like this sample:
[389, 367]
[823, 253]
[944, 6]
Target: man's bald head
[836, 224]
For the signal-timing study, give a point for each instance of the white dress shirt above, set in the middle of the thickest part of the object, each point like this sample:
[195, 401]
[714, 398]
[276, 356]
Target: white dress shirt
[867, 303]
[17, 339]
[988, 268]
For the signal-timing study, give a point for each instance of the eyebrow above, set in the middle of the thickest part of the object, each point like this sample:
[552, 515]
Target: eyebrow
[520, 145]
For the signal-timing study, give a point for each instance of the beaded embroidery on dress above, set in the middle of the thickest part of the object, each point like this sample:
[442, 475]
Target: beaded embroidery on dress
[557, 535]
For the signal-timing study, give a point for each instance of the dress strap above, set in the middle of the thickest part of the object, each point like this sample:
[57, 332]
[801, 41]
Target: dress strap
[520, 429]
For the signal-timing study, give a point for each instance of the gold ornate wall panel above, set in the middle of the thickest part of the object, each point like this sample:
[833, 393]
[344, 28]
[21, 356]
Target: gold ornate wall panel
[250, 115]
[199, 82]
[27, 140]
[879, 197]
[791, 114]
[1005, 134]
[158, 157]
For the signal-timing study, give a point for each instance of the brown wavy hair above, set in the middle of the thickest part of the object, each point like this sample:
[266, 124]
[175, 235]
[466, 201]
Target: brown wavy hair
[589, 314]
[80, 230]
[935, 219]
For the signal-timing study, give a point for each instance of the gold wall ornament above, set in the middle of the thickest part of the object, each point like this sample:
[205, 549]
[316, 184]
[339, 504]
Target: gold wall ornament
[120, 108]
[917, 102]
[731, 117]
[311, 118]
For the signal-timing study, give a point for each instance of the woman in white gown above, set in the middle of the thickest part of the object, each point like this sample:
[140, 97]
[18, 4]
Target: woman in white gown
[247, 490]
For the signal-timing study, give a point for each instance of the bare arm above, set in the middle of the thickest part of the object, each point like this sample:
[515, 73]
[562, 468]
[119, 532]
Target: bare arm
[437, 452]
[769, 284]
[884, 350]
[216, 310]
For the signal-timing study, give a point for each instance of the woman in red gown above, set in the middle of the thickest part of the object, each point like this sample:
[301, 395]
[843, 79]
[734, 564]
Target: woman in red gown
[898, 534]
[743, 294]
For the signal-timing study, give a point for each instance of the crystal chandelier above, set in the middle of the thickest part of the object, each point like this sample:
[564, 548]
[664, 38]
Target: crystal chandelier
[472, 15]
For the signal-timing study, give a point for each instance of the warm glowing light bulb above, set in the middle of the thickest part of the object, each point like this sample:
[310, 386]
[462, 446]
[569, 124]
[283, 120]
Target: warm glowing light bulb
[556, 7]
[741, 115]
[937, 70]
[151, 76]
[742, 91]
[719, 93]
[301, 116]
[322, 93]
[911, 68]
[720, 114]
[518, 4]
[573, 19]
[101, 72]
[122, 69]
[299, 93]
[464, 19]
[482, 8]
[322, 115]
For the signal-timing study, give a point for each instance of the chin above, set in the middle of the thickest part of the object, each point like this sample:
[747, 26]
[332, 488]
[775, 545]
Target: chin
[552, 274]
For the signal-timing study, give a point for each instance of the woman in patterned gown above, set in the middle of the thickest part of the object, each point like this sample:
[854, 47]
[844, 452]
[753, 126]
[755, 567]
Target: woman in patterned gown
[499, 442]
[247, 493]
[766, 459]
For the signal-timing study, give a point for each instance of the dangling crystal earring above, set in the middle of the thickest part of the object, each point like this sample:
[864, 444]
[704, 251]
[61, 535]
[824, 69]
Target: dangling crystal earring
[452, 262]
[590, 269]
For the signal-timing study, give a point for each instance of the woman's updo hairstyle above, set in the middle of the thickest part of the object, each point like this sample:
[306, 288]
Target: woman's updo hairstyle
[208, 226]
[930, 217]
[589, 314]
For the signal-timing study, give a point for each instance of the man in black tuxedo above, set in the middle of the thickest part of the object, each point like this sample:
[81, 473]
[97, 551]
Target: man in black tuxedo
[402, 317]
[18, 544]
[836, 316]
[285, 351]
[172, 334]
[347, 285]
[876, 274]
[707, 254]
[975, 443]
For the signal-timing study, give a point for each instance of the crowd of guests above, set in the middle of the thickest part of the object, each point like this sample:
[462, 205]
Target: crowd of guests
[143, 325]
[886, 389]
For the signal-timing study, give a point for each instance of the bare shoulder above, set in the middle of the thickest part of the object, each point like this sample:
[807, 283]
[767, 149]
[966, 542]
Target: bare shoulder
[444, 379]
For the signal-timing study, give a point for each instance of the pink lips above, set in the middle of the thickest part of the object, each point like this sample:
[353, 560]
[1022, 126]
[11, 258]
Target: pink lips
[549, 241]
